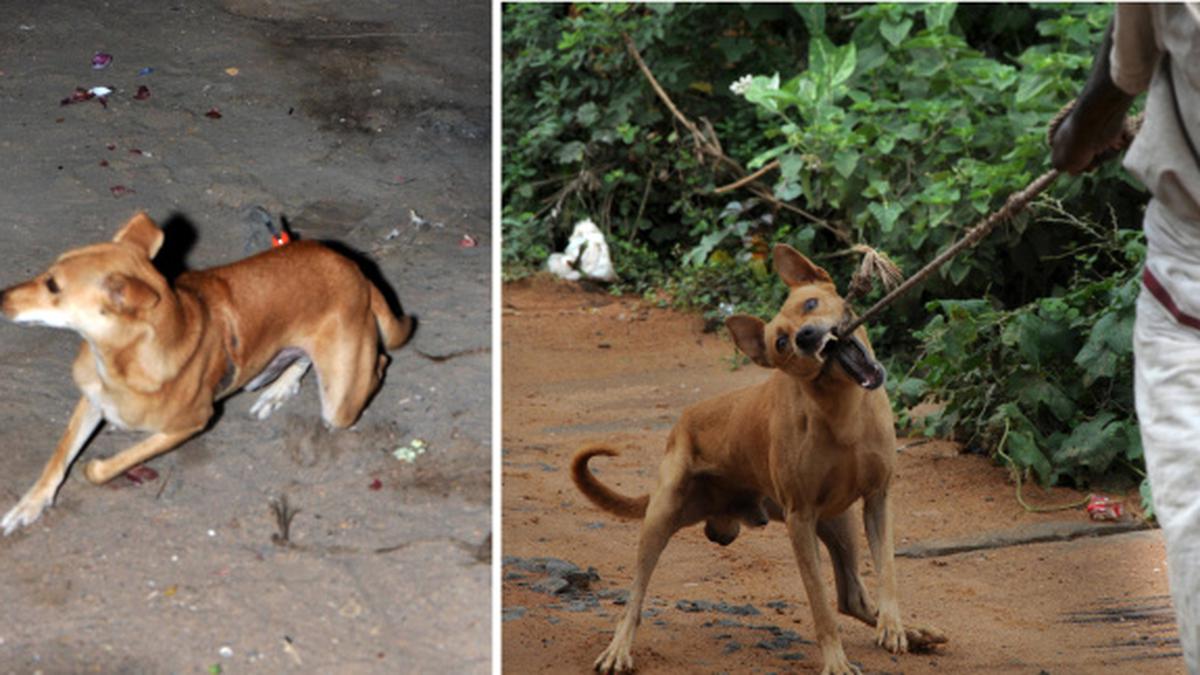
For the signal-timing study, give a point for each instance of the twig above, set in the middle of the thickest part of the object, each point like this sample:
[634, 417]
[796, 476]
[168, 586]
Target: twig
[743, 181]
[697, 137]
[164, 483]
[283, 520]
[709, 144]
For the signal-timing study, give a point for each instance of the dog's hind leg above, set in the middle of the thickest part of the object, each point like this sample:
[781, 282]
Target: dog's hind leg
[84, 422]
[664, 516]
[838, 535]
[349, 367]
[284, 387]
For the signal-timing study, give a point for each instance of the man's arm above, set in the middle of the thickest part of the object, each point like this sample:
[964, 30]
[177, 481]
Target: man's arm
[1095, 124]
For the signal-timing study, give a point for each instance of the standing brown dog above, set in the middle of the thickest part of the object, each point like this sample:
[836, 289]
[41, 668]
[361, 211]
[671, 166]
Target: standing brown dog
[155, 356]
[801, 447]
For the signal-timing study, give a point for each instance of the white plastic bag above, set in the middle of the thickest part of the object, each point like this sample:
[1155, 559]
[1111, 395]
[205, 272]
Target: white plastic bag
[586, 256]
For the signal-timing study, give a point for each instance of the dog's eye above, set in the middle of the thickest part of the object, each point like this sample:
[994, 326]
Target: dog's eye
[781, 343]
[810, 304]
[51, 285]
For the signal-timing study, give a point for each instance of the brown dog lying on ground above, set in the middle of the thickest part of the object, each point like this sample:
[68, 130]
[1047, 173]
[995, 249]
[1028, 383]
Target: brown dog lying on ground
[801, 447]
[155, 356]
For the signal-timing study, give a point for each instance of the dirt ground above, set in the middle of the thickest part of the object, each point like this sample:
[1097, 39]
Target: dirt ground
[582, 367]
[342, 116]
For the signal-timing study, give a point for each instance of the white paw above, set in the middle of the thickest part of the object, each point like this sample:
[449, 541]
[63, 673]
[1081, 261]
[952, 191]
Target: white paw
[25, 512]
[615, 659]
[890, 635]
[836, 663]
[273, 398]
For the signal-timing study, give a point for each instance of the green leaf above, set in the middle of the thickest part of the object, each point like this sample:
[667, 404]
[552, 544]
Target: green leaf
[788, 190]
[913, 388]
[570, 152]
[1032, 86]
[790, 166]
[1025, 452]
[847, 59]
[845, 161]
[885, 214]
[895, 31]
[1093, 444]
[813, 14]
[1147, 498]
[938, 15]
[1035, 391]
[587, 114]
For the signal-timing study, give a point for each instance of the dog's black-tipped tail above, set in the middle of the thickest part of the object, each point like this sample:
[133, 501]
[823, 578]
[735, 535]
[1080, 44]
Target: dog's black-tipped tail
[600, 494]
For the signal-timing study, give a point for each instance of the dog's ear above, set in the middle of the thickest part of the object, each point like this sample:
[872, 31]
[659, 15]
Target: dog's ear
[795, 269]
[141, 233]
[747, 332]
[127, 294]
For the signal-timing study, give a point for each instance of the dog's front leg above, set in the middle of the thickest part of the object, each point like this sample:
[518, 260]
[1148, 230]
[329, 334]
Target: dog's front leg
[103, 470]
[84, 422]
[802, 528]
[877, 518]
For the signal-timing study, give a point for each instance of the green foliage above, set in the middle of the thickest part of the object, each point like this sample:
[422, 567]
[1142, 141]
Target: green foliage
[1053, 377]
[893, 125]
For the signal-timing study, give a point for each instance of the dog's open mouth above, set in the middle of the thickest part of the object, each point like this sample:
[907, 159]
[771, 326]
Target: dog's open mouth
[852, 356]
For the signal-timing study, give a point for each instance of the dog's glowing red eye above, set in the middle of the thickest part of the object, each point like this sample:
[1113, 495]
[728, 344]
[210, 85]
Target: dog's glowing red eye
[51, 285]
[810, 304]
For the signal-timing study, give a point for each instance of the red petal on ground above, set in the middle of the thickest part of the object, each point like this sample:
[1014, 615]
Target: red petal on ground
[213, 113]
[141, 474]
[376, 484]
[143, 93]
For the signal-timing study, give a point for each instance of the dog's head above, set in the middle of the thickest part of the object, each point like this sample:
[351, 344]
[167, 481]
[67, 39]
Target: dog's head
[800, 339]
[97, 290]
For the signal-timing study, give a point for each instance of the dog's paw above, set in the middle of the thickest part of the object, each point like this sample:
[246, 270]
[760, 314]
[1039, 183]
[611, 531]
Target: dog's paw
[890, 635]
[273, 397]
[25, 512]
[838, 664]
[615, 659]
[922, 639]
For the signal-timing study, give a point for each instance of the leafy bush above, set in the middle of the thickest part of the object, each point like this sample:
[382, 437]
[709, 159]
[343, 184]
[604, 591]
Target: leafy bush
[1052, 378]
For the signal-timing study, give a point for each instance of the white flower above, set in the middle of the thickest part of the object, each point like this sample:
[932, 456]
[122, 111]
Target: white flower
[741, 85]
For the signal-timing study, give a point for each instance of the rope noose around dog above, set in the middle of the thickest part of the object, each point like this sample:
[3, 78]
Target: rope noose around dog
[1015, 203]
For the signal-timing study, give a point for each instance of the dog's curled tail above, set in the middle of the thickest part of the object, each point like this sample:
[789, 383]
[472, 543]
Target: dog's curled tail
[600, 494]
[395, 331]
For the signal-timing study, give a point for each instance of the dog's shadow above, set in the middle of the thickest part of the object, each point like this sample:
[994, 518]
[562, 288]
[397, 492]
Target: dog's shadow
[179, 238]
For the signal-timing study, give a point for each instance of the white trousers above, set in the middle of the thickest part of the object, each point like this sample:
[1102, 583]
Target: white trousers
[1167, 389]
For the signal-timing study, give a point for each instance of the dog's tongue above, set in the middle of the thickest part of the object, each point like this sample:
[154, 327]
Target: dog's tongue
[852, 356]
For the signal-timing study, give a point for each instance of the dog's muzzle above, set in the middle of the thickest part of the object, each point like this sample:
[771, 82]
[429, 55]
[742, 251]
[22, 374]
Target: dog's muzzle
[811, 339]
